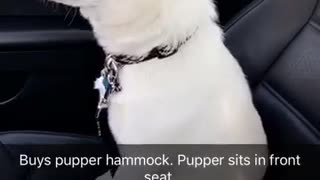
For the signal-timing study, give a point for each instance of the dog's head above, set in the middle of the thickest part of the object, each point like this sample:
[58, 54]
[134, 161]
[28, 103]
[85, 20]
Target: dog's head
[77, 3]
[124, 25]
[113, 12]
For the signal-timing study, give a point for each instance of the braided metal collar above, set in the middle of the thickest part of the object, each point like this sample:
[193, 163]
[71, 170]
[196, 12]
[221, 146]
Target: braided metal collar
[159, 52]
[114, 63]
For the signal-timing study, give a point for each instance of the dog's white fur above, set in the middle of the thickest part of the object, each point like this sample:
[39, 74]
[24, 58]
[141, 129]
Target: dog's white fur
[198, 96]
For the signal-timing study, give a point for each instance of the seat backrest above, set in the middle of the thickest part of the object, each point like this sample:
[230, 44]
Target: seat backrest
[277, 42]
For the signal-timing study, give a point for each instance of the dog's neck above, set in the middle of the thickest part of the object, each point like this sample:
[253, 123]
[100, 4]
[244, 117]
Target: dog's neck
[134, 30]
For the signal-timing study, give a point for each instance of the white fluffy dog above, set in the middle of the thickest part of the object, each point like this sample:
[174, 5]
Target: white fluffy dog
[198, 95]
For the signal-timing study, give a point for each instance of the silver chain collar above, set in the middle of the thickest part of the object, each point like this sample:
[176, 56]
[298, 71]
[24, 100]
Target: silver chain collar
[113, 65]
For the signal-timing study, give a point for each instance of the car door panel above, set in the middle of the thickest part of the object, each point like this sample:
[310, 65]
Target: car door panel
[47, 70]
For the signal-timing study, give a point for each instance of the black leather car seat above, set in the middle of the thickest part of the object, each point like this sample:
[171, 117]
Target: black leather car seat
[277, 42]
[47, 144]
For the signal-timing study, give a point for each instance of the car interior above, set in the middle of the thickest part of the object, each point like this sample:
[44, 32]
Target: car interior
[49, 60]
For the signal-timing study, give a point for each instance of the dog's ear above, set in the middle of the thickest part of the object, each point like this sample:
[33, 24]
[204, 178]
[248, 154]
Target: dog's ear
[78, 3]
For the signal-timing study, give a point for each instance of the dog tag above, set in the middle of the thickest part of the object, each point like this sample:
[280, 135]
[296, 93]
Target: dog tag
[110, 81]
[103, 104]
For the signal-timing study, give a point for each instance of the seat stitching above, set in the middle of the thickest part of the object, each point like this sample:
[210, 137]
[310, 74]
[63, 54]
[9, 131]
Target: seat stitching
[291, 108]
[315, 25]
[268, 69]
[242, 14]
